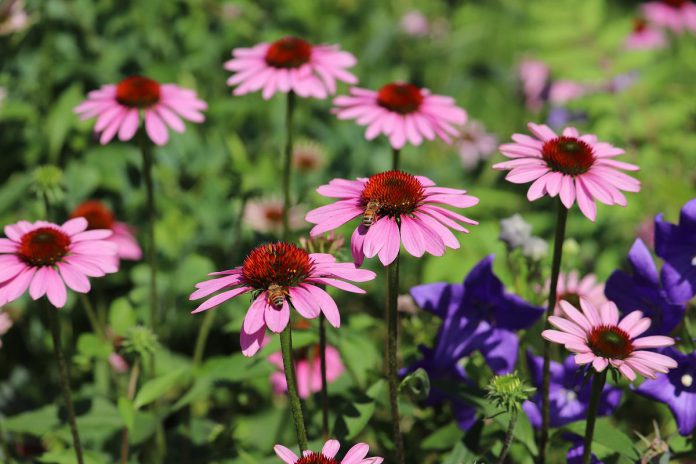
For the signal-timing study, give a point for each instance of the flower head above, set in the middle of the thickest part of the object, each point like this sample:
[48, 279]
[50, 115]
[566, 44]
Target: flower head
[403, 112]
[598, 337]
[514, 231]
[645, 36]
[414, 23]
[573, 166]
[475, 144]
[508, 391]
[289, 65]
[396, 208]
[330, 243]
[571, 288]
[44, 257]
[676, 244]
[675, 15]
[279, 275]
[99, 216]
[266, 215]
[307, 369]
[308, 156]
[534, 75]
[118, 108]
[356, 455]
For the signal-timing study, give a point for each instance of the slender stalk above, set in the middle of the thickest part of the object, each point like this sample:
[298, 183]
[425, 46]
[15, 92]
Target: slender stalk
[391, 349]
[287, 163]
[132, 384]
[203, 332]
[324, 382]
[291, 380]
[597, 385]
[508, 436]
[92, 316]
[395, 158]
[65, 381]
[148, 162]
[555, 270]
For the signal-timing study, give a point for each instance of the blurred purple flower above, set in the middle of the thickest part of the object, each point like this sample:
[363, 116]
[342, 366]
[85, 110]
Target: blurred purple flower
[677, 389]
[676, 245]
[574, 455]
[415, 24]
[560, 117]
[643, 291]
[569, 398]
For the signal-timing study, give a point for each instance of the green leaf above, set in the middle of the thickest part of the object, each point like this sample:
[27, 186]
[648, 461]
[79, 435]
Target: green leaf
[234, 368]
[91, 346]
[443, 438]
[608, 436]
[157, 387]
[67, 456]
[36, 423]
[127, 411]
[122, 316]
[460, 454]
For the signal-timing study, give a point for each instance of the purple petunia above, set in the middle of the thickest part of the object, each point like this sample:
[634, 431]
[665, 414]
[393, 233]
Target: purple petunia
[643, 291]
[676, 244]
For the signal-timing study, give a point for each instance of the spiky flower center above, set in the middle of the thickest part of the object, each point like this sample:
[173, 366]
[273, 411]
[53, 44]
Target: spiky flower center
[281, 264]
[316, 458]
[675, 3]
[639, 25]
[138, 92]
[400, 97]
[288, 52]
[97, 214]
[273, 214]
[44, 246]
[568, 155]
[610, 341]
[395, 192]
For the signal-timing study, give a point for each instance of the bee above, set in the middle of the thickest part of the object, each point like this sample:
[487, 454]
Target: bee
[370, 213]
[276, 295]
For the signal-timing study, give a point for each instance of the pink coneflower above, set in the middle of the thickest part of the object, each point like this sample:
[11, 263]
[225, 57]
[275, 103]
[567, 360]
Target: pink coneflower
[403, 112]
[576, 167]
[45, 257]
[563, 91]
[356, 455]
[100, 217]
[289, 65]
[475, 144]
[675, 15]
[307, 369]
[598, 337]
[645, 37]
[118, 107]
[280, 275]
[266, 216]
[6, 324]
[571, 288]
[534, 75]
[396, 208]
[308, 156]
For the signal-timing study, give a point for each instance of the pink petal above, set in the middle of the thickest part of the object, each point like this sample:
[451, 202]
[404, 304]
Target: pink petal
[277, 319]
[356, 454]
[304, 303]
[412, 237]
[330, 448]
[252, 343]
[285, 454]
[328, 305]
[73, 278]
[654, 341]
[221, 298]
[254, 318]
[155, 128]
[37, 289]
[392, 242]
[55, 289]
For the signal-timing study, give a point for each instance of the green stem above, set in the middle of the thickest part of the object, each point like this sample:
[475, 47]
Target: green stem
[508, 436]
[92, 316]
[555, 271]
[291, 380]
[65, 381]
[395, 158]
[597, 385]
[287, 163]
[203, 332]
[324, 382]
[132, 384]
[392, 315]
[148, 163]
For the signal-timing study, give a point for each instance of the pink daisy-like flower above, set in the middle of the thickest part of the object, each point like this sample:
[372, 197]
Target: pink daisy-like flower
[396, 208]
[100, 217]
[403, 112]
[356, 455]
[266, 215]
[118, 107]
[676, 15]
[290, 65]
[571, 288]
[475, 144]
[45, 257]
[534, 75]
[307, 369]
[573, 166]
[597, 336]
[645, 37]
[280, 275]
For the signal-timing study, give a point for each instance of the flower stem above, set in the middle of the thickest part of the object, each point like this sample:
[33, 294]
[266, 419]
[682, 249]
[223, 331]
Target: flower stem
[395, 158]
[92, 316]
[65, 381]
[291, 380]
[392, 315]
[597, 385]
[555, 270]
[148, 162]
[287, 163]
[508, 436]
[203, 332]
[324, 382]
[132, 383]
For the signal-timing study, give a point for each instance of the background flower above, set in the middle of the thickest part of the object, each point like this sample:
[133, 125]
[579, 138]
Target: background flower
[571, 288]
[474, 144]
[356, 455]
[99, 216]
[307, 369]
[676, 244]
[266, 215]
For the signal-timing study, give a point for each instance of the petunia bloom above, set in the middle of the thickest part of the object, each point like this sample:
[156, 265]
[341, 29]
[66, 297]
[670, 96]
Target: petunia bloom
[597, 336]
[403, 112]
[44, 257]
[99, 216]
[643, 290]
[356, 455]
[395, 208]
[569, 395]
[676, 15]
[289, 65]
[677, 390]
[307, 370]
[676, 244]
[645, 37]
[118, 108]
[280, 275]
[573, 166]
[571, 288]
